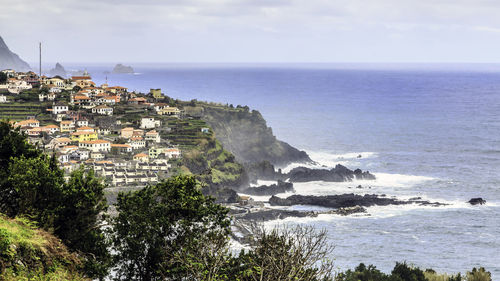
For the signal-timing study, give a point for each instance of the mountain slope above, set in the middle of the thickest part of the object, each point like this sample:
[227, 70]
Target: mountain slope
[10, 60]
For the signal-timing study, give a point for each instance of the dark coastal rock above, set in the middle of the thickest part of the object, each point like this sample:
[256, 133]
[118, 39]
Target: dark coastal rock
[273, 189]
[345, 200]
[268, 215]
[58, 70]
[263, 171]
[122, 69]
[337, 174]
[347, 211]
[477, 201]
[10, 60]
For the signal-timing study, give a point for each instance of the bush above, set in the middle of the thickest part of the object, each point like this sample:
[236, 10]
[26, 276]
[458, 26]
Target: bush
[478, 275]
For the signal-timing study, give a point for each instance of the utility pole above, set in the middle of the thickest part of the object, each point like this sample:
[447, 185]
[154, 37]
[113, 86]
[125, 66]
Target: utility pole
[40, 48]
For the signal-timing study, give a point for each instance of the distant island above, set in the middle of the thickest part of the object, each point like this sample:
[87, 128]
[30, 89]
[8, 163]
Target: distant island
[122, 69]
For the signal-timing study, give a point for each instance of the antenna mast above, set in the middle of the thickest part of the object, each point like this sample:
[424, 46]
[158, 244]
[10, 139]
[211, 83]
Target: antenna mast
[40, 48]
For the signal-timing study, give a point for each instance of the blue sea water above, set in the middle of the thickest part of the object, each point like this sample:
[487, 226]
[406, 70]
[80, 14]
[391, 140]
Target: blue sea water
[431, 131]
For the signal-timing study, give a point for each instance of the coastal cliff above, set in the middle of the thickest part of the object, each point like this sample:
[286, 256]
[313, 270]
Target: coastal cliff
[246, 134]
[10, 60]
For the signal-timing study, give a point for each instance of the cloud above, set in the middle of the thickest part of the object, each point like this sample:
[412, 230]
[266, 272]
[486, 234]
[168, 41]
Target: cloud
[212, 29]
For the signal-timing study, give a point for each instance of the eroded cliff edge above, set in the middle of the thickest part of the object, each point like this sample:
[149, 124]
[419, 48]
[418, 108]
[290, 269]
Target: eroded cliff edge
[245, 134]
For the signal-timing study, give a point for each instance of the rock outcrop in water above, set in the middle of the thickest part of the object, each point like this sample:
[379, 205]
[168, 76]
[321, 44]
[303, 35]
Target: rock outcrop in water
[10, 60]
[338, 174]
[58, 70]
[346, 200]
[264, 190]
[477, 201]
[122, 69]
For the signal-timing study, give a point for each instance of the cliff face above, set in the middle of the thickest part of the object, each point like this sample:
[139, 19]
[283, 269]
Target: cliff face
[9, 60]
[246, 135]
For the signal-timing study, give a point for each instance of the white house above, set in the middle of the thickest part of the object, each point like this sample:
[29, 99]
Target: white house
[82, 123]
[59, 108]
[103, 110]
[16, 86]
[149, 123]
[3, 99]
[153, 135]
[96, 145]
[137, 142]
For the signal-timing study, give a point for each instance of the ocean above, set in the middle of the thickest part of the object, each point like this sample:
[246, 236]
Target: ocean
[430, 131]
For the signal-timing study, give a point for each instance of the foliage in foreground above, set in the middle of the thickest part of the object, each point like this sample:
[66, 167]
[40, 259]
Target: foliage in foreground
[33, 186]
[28, 253]
[158, 223]
[404, 272]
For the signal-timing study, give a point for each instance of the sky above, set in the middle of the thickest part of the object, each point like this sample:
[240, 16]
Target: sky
[255, 31]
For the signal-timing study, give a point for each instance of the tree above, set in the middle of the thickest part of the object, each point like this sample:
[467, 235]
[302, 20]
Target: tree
[81, 218]
[36, 185]
[3, 77]
[159, 223]
[13, 144]
[299, 253]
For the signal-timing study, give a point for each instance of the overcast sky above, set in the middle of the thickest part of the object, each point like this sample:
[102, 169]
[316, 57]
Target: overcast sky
[253, 30]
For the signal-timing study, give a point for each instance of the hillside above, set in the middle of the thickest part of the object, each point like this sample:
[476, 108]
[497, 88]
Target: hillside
[10, 60]
[27, 253]
[246, 134]
[205, 157]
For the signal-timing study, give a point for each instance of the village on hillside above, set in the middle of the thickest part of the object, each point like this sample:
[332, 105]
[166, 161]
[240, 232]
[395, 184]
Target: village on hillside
[128, 138]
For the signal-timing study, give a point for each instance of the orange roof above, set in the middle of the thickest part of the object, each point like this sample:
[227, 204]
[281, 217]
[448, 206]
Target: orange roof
[117, 87]
[120, 145]
[63, 140]
[70, 146]
[80, 78]
[140, 155]
[153, 132]
[85, 128]
[104, 162]
[135, 138]
[51, 126]
[27, 122]
[81, 98]
[128, 129]
[95, 141]
[66, 122]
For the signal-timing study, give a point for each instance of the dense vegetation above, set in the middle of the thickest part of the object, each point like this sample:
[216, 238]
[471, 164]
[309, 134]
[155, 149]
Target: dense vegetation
[52, 228]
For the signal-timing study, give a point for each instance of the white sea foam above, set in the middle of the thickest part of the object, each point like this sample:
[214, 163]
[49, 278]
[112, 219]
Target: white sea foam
[325, 159]
[399, 180]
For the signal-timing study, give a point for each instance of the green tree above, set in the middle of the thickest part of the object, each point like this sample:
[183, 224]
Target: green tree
[37, 184]
[81, 218]
[3, 77]
[159, 223]
[363, 273]
[13, 144]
